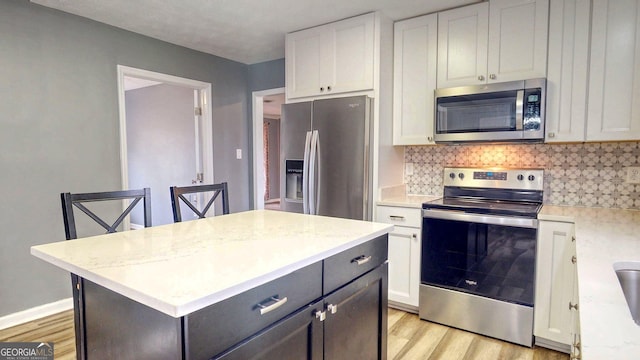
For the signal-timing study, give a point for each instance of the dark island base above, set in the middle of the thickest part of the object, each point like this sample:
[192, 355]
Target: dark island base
[113, 326]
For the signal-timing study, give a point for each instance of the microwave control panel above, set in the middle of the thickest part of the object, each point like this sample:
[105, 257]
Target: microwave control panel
[531, 109]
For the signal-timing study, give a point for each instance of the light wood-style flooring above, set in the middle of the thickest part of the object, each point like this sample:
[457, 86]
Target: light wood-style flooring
[409, 338]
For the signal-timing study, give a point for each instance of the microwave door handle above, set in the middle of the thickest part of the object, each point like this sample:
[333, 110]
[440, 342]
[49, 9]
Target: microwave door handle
[519, 109]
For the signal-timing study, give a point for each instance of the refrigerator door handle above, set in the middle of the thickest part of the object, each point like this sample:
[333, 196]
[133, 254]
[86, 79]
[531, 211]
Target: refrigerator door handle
[317, 183]
[305, 173]
[312, 173]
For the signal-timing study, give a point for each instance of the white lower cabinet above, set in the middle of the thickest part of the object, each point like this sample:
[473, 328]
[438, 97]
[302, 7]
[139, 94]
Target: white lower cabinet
[556, 301]
[404, 254]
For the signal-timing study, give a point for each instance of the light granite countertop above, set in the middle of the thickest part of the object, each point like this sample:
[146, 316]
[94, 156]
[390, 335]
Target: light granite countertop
[183, 267]
[397, 196]
[409, 201]
[603, 237]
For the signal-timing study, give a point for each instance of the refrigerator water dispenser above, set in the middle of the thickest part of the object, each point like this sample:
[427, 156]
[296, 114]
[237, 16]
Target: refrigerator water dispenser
[294, 179]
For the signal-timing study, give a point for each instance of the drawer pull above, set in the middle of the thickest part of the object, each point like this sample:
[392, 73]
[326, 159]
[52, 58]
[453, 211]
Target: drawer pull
[396, 217]
[332, 308]
[276, 304]
[573, 306]
[361, 260]
[322, 315]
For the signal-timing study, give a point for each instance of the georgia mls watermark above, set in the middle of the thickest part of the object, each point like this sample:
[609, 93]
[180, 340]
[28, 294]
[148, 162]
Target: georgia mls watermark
[26, 351]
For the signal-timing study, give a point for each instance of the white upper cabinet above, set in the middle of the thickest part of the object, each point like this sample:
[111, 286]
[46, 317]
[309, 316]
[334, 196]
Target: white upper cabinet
[502, 40]
[330, 59]
[414, 80]
[462, 45]
[614, 81]
[517, 39]
[567, 70]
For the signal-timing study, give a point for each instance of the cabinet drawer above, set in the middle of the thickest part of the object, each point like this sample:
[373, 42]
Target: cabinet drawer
[399, 216]
[349, 264]
[214, 329]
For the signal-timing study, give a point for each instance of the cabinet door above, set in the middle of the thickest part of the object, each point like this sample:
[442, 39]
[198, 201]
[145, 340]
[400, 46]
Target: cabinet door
[462, 45]
[576, 345]
[567, 71]
[349, 62]
[614, 75]
[305, 53]
[356, 323]
[555, 276]
[517, 39]
[404, 265]
[414, 80]
[332, 58]
[299, 336]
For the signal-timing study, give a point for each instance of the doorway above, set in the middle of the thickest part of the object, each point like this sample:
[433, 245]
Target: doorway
[266, 148]
[165, 136]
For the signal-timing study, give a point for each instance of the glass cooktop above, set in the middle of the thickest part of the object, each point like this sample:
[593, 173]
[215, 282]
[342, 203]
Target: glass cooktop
[486, 206]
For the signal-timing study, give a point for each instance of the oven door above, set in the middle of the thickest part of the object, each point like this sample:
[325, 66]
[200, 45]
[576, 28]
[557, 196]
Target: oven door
[485, 255]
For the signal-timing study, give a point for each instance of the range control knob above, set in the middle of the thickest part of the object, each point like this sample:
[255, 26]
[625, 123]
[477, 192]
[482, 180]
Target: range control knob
[461, 176]
[531, 177]
[520, 177]
[452, 175]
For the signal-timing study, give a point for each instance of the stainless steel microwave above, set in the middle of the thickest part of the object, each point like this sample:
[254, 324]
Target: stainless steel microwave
[498, 112]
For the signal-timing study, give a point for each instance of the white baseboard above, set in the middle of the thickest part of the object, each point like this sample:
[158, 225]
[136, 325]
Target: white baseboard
[136, 226]
[35, 313]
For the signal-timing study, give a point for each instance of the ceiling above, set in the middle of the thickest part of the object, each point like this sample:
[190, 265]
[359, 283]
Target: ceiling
[247, 31]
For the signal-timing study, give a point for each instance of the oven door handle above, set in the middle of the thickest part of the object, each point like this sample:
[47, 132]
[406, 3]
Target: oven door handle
[479, 218]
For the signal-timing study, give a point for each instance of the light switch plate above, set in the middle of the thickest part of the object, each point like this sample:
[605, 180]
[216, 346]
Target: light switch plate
[408, 168]
[633, 175]
[238, 154]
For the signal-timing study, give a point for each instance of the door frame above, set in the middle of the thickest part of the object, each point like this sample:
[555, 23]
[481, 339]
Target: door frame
[258, 143]
[204, 89]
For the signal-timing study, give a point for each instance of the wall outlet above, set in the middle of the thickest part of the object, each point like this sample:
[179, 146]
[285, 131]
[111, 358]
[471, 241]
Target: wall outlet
[408, 169]
[633, 175]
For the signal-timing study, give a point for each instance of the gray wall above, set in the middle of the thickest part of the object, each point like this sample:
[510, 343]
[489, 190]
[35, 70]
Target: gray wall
[160, 145]
[59, 129]
[262, 76]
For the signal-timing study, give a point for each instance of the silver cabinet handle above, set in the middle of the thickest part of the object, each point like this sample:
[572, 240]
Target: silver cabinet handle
[396, 217]
[573, 306]
[322, 315]
[492, 76]
[481, 78]
[552, 135]
[332, 308]
[361, 260]
[414, 236]
[276, 304]
[573, 238]
[430, 139]
[574, 259]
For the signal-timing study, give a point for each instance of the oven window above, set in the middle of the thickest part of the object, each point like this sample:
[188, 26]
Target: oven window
[477, 113]
[487, 260]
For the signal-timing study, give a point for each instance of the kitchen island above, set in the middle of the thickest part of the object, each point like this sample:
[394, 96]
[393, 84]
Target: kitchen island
[230, 286]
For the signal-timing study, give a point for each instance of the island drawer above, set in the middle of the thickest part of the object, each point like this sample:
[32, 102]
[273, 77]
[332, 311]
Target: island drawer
[216, 328]
[350, 264]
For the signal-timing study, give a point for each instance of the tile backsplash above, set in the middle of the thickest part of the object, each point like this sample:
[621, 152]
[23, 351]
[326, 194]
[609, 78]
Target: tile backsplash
[590, 174]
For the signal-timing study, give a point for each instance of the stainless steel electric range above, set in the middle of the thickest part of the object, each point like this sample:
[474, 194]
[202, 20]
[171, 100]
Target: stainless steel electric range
[478, 252]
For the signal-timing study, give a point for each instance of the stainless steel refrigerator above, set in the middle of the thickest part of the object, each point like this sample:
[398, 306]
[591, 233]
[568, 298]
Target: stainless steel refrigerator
[325, 157]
